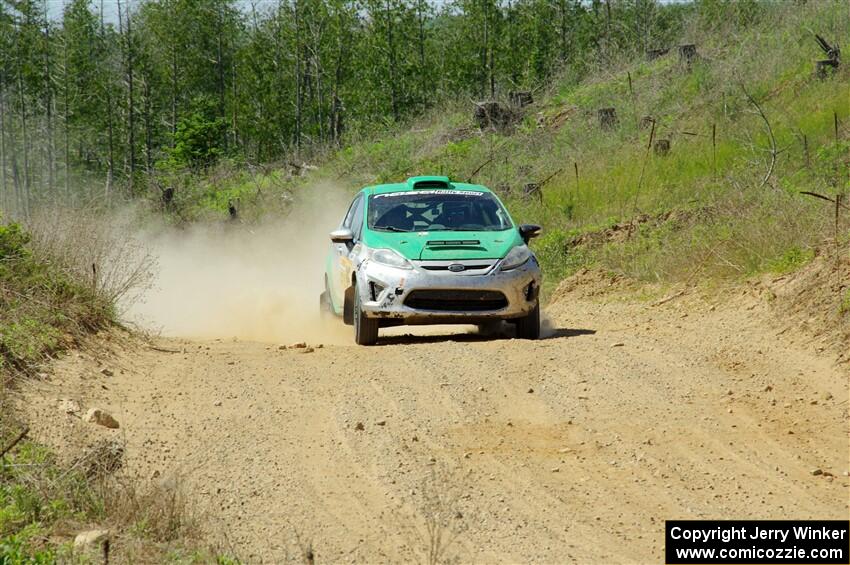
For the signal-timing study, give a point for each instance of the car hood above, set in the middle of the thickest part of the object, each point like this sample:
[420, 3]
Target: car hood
[446, 245]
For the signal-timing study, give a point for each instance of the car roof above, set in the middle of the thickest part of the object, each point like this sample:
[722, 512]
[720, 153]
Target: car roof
[431, 181]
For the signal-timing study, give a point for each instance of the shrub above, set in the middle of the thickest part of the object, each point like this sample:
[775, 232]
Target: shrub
[41, 307]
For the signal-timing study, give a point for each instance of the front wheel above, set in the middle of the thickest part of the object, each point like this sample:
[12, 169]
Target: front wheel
[528, 327]
[365, 329]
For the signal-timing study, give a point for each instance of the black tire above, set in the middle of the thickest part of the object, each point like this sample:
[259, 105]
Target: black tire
[365, 329]
[528, 327]
[348, 306]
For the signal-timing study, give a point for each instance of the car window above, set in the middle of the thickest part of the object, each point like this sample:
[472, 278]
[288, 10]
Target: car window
[357, 218]
[349, 216]
[437, 210]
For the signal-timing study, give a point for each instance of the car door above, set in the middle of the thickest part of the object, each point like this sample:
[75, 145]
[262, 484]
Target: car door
[343, 254]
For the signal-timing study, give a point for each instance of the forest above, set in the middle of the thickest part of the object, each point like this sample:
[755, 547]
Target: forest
[96, 100]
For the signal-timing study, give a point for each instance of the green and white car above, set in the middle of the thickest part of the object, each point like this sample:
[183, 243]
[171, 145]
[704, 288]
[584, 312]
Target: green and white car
[431, 251]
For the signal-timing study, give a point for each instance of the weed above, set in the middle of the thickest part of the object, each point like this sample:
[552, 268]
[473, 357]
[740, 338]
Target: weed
[844, 308]
[792, 259]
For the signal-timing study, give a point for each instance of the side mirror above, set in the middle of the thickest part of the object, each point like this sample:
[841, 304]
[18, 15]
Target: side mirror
[342, 235]
[529, 231]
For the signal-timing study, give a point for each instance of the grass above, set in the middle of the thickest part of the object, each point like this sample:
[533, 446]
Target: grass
[43, 503]
[35, 495]
[42, 309]
[845, 303]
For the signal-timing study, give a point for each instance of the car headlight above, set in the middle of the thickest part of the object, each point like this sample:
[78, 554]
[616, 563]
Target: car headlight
[390, 258]
[516, 257]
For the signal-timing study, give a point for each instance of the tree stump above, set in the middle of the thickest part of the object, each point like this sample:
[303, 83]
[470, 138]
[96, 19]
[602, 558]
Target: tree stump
[607, 118]
[825, 69]
[492, 114]
[652, 54]
[532, 189]
[167, 196]
[687, 55]
[662, 147]
[645, 122]
[520, 98]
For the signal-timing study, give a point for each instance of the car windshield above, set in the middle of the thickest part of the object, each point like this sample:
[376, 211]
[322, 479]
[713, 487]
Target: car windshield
[437, 210]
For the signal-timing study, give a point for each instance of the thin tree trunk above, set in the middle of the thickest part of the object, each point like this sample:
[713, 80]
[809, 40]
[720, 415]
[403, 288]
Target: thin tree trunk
[48, 93]
[562, 5]
[3, 142]
[16, 182]
[392, 62]
[131, 114]
[222, 89]
[25, 198]
[173, 92]
[110, 172]
[607, 30]
[423, 89]
[298, 98]
[336, 110]
[317, 64]
[492, 64]
[146, 118]
[235, 105]
[487, 62]
[512, 43]
[65, 117]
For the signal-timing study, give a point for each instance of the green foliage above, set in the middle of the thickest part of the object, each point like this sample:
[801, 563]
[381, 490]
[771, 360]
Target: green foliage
[790, 260]
[19, 548]
[13, 243]
[35, 494]
[198, 139]
[557, 258]
[41, 307]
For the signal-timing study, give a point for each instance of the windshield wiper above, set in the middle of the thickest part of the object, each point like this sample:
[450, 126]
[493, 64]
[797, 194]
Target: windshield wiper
[391, 228]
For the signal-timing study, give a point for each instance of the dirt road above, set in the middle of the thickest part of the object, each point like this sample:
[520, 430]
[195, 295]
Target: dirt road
[574, 448]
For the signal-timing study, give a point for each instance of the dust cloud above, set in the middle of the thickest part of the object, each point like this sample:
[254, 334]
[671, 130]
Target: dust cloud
[258, 282]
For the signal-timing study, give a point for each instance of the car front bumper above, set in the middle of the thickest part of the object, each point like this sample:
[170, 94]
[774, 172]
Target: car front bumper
[474, 295]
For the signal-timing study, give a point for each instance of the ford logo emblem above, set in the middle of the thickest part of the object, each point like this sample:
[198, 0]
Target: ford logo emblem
[456, 268]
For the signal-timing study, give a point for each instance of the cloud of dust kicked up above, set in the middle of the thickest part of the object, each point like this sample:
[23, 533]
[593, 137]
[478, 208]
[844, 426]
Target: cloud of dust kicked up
[258, 282]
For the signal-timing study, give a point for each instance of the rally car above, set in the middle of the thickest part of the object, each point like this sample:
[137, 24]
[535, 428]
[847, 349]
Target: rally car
[431, 251]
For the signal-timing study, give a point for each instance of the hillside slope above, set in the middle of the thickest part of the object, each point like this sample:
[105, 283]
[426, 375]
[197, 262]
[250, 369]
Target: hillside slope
[709, 202]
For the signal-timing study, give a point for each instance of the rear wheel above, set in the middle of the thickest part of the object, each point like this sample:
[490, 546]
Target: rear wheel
[365, 329]
[528, 327]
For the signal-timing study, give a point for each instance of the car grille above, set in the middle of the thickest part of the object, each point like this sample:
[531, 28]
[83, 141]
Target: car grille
[466, 267]
[457, 266]
[456, 300]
